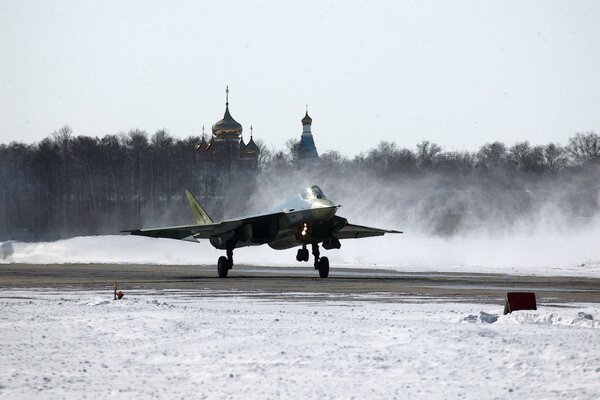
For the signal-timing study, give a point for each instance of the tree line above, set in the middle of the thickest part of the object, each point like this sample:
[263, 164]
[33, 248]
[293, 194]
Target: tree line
[70, 184]
[496, 190]
[582, 149]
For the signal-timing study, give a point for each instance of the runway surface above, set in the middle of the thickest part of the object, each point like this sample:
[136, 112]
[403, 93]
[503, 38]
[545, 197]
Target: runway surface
[302, 283]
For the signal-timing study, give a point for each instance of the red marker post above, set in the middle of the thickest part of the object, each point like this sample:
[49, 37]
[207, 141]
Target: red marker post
[519, 301]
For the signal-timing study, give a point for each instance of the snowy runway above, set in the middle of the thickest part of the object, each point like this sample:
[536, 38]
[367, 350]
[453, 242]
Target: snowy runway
[199, 344]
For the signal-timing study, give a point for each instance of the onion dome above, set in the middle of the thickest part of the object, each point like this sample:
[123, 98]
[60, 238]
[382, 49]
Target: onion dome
[242, 144]
[227, 126]
[251, 148]
[306, 120]
[202, 145]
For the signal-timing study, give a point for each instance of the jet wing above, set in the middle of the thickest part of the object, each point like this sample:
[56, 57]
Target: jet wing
[351, 231]
[203, 231]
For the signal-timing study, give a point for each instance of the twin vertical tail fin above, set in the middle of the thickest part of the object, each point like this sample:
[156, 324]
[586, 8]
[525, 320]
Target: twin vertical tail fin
[202, 217]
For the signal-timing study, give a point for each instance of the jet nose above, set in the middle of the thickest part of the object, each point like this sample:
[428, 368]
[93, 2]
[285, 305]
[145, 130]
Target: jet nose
[324, 209]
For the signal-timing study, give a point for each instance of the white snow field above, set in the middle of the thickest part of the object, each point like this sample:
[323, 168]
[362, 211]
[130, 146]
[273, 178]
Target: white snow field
[178, 344]
[547, 254]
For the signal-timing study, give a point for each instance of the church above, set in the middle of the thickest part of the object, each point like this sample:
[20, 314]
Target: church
[226, 150]
[307, 150]
[227, 167]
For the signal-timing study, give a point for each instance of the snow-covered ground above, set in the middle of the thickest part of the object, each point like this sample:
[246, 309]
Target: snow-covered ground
[565, 254]
[178, 344]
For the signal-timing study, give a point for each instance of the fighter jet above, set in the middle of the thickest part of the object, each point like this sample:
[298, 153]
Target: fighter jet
[306, 219]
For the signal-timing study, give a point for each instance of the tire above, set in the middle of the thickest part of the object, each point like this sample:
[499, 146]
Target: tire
[305, 255]
[324, 267]
[222, 267]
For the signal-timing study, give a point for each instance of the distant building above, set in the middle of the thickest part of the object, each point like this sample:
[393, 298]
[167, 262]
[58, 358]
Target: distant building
[225, 162]
[306, 149]
[226, 151]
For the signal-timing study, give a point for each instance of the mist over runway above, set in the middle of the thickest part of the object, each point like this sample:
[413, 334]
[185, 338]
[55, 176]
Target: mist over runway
[542, 254]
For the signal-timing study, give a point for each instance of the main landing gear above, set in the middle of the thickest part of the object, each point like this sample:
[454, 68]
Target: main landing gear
[321, 263]
[225, 263]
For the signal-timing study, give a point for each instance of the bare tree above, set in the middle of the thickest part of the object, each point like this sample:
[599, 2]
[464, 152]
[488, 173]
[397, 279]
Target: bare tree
[293, 146]
[332, 159]
[492, 155]
[427, 153]
[555, 157]
[584, 148]
[264, 155]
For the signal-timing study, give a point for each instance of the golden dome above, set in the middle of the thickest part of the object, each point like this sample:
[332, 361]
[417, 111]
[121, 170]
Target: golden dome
[227, 126]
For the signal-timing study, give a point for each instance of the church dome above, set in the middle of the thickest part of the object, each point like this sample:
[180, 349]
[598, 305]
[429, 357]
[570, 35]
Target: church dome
[227, 126]
[306, 120]
[251, 148]
[203, 145]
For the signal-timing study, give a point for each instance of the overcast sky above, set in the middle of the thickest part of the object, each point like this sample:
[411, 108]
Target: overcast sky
[456, 73]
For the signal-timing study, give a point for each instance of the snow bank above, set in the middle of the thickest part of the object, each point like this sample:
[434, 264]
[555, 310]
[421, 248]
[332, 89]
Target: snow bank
[571, 254]
[178, 344]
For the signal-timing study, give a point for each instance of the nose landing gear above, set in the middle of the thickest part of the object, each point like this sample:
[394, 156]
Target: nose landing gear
[302, 254]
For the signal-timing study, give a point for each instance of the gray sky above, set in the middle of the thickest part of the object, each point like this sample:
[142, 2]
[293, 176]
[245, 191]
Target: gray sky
[457, 73]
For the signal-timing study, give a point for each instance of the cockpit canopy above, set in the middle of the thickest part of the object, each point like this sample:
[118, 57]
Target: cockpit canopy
[313, 192]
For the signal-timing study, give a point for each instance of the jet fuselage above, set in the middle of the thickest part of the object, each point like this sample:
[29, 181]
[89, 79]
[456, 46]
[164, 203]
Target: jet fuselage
[304, 219]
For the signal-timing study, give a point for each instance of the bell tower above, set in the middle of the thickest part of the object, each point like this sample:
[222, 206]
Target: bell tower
[307, 150]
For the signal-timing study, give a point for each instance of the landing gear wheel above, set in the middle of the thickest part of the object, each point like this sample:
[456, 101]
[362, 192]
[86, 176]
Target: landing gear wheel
[305, 254]
[324, 267]
[302, 255]
[223, 267]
